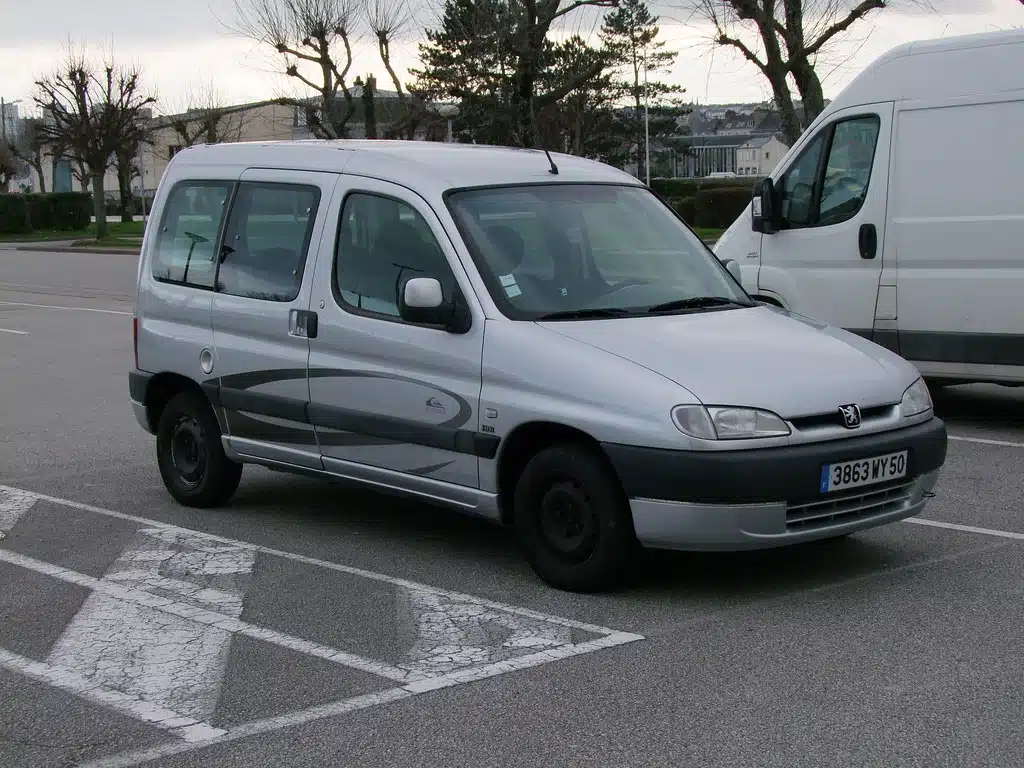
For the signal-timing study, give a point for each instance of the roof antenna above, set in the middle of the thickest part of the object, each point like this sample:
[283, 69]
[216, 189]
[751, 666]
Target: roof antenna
[554, 168]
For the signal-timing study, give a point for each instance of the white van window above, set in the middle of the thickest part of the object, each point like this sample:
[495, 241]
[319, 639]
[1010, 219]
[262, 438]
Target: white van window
[798, 185]
[381, 243]
[848, 171]
[185, 242]
[267, 239]
[816, 196]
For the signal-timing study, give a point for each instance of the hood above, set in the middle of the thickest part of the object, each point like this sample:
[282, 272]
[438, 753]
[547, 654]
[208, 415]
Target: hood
[761, 357]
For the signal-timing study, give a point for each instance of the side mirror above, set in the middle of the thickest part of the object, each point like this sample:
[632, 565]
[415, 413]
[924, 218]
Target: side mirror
[762, 207]
[733, 267]
[421, 300]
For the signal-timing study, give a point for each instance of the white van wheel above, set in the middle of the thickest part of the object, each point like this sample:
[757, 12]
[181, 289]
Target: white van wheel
[573, 519]
[192, 462]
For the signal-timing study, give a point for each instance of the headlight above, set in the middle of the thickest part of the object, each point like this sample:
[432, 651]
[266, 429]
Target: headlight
[727, 422]
[916, 399]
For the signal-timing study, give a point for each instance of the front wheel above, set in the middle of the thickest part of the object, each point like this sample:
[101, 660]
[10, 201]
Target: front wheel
[193, 465]
[573, 519]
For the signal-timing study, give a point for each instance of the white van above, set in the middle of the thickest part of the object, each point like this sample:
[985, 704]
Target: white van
[537, 340]
[898, 215]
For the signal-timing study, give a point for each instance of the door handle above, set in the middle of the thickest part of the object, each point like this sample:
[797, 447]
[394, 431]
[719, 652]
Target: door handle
[867, 239]
[302, 323]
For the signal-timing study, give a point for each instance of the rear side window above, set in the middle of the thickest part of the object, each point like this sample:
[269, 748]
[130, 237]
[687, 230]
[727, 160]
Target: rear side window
[267, 239]
[185, 242]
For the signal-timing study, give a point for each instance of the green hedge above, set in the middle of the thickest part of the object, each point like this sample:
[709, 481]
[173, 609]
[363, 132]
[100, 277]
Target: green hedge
[718, 208]
[13, 214]
[686, 207]
[677, 189]
[61, 211]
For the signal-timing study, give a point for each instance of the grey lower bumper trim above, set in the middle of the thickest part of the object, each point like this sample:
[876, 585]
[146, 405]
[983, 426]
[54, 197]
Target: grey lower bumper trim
[734, 527]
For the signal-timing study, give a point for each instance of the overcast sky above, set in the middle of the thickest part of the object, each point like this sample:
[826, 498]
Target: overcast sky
[185, 45]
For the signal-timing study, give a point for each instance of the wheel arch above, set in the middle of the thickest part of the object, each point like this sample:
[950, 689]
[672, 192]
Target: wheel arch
[522, 444]
[164, 386]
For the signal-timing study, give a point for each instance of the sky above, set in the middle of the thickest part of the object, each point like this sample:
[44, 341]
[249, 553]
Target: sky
[187, 46]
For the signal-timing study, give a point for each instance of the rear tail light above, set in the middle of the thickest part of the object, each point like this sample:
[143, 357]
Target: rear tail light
[135, 339]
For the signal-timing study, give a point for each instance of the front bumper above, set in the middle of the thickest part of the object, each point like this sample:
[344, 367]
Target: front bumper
[770, 497]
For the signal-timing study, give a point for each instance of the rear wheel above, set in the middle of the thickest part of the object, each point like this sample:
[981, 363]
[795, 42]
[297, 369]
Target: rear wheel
[573, 519]
[193, 465]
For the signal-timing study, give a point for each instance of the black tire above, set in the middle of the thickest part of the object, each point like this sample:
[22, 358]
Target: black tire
[192, 462]
[573, 519]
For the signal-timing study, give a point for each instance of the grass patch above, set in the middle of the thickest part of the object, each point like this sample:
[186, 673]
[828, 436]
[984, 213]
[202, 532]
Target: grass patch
[706, 233]
[128, 232]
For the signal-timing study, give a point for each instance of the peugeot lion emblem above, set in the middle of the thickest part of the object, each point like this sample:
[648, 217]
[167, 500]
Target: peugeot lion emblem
[851, 416]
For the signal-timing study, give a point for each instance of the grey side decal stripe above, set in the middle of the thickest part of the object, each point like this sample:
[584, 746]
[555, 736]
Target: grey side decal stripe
[370, 429]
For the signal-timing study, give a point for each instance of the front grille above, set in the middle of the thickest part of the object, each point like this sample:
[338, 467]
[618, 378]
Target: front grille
[857, 505]
[834, 419]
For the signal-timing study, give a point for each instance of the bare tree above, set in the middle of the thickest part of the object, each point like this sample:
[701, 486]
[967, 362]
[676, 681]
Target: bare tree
[206, 118]
[94, 111]
[32, 146]
[388, 20]
[784, 38]
[314, 39]
[11, 166]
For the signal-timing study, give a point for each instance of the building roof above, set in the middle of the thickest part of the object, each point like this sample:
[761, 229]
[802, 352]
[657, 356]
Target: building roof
[425, 166]
[757, 142]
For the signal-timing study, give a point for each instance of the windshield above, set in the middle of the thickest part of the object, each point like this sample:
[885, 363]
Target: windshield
[592, 250]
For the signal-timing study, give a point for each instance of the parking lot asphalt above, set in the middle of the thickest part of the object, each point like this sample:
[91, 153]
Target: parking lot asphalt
[308, 624]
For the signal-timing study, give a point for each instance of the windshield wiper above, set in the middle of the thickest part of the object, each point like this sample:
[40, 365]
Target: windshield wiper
[696, 302]
[581, 314]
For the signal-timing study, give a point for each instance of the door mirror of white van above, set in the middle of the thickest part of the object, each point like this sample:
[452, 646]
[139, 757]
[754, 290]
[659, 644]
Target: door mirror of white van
[762, 207]
[421, 300]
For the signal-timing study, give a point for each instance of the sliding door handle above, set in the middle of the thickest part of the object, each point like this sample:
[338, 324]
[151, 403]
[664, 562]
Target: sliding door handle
[302, 323]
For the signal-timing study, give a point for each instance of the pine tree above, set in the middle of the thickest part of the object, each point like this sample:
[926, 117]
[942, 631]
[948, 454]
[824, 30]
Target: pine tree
[630, 35]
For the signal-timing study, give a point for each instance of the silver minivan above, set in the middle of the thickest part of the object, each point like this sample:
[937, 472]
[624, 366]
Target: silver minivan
[537, 339]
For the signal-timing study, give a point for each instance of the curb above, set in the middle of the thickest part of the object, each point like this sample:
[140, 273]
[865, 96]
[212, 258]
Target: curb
[83, 249]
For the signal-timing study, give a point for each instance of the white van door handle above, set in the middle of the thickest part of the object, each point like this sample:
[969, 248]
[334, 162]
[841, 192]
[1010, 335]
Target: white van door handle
[867, 239]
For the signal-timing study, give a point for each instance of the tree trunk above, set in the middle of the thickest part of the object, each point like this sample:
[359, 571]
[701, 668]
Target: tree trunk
[784, 103]
[124, 183]
[809, 86]
[99, 205]
[37, 166]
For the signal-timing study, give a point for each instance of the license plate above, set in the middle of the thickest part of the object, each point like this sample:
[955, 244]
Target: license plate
[851, 474]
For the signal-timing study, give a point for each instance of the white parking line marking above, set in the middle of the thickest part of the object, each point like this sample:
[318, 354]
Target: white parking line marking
[372, 575]
[58, 306]
[986, 441]
[11, 330]
[13, 505]
[184, 728]
[453, 635]
[268, 725]
[203, 616]
[967, 528]
[143, 651]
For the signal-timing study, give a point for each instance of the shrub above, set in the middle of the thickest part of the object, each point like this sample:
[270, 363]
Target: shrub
[71, 210]
[63, 211]
[718, 208]
[13, 210]
[686, 207]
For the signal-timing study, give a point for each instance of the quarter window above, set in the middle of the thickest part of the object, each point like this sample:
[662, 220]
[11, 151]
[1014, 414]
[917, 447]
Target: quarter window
[267, 240]
[824, 189]
[382, 242]
[185, 242]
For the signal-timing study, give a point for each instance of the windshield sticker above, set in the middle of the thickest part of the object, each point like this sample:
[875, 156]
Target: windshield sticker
[512, 290]
[507, 280]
